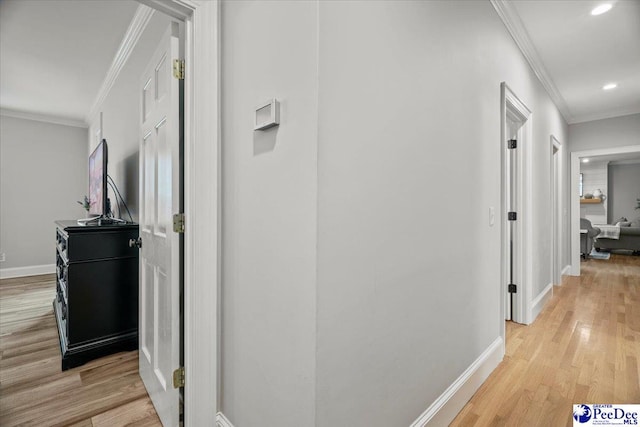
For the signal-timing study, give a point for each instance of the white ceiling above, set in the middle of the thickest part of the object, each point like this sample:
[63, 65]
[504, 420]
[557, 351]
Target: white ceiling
[54, 55]
[582, 52]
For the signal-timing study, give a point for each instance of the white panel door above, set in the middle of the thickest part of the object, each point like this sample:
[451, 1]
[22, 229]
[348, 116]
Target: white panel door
[160, 250]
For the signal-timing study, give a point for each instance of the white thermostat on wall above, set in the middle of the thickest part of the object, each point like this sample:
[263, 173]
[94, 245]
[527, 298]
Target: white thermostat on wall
[267, 115]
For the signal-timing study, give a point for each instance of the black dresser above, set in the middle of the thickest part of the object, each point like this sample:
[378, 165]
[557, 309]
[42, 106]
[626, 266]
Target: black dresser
[96, 305]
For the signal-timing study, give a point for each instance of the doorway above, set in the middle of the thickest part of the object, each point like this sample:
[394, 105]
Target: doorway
[556, 215]
[575, 198]
[516, 204]
[201, 204]
[513, 192]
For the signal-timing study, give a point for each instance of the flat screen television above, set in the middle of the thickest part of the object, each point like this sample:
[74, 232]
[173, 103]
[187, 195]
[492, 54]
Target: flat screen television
[98, 180]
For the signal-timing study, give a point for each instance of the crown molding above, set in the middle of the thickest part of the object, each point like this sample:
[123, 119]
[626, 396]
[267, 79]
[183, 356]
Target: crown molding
[137, 26]
[47, 118]
[602, 116]
[516, 28]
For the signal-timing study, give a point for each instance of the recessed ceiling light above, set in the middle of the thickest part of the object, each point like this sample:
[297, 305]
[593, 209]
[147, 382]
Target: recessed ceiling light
[603, 8]
[610, 86]
[585, 160]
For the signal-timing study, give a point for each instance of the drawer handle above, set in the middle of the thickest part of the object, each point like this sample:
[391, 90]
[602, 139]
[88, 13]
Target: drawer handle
[135, 243]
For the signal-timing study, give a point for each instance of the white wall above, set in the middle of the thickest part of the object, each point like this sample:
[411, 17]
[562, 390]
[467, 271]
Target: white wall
[624, 190]
[360, 276]
[269, 200]
[121, 118]
[43, 172]
[594, 177]
[607, 133]
[409, 164]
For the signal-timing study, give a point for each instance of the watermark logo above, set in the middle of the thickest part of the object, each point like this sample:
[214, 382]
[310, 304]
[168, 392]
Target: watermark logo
[605, 415]
[581, 413]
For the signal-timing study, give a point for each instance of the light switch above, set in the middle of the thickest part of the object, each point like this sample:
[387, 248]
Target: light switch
[267, 115]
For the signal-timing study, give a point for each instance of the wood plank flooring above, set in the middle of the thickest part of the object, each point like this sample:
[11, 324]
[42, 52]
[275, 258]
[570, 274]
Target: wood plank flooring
[33, 389]
[583, 348]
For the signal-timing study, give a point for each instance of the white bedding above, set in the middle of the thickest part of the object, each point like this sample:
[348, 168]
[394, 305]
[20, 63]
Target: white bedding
[608, 231]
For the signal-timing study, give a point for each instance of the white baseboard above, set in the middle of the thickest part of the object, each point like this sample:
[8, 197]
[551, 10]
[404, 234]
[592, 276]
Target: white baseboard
[448, 405]
[538, 304]
[566, 270]
[33, 270]
[222, 421]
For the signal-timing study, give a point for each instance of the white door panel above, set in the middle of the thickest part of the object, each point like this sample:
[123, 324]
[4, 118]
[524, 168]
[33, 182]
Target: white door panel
[160, 251]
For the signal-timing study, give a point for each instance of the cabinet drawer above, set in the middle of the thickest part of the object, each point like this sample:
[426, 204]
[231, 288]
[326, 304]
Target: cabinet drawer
[90, 246]
[61, 290]
[61, 246]
[62, 269]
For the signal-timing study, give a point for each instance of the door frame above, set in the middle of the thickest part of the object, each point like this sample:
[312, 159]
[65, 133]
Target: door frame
[201, 204]
[511, 105]
[556, 209]
[575, 199]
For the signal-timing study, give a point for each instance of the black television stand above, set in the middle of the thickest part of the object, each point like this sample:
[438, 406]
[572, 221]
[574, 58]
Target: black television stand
[96, 304]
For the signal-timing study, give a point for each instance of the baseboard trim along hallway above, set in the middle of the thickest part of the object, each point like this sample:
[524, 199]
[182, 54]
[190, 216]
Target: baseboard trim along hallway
[447, 406]
[222, 421]
[540, 301]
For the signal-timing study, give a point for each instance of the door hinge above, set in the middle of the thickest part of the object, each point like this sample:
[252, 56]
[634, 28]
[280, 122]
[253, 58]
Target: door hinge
[178, 223]
[512, 216]
[178, 377]
[512, 289]
[178, 69]
[512, 143]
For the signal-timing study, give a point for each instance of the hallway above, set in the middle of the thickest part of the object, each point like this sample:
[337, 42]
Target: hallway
[583, 348]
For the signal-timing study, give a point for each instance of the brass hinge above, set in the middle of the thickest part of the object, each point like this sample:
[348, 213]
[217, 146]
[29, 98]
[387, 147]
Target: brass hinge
[178, 69]
[178, 223]
[178, 377]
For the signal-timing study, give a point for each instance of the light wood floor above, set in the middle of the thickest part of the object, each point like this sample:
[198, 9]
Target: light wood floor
[33, 389]
[583, 348]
